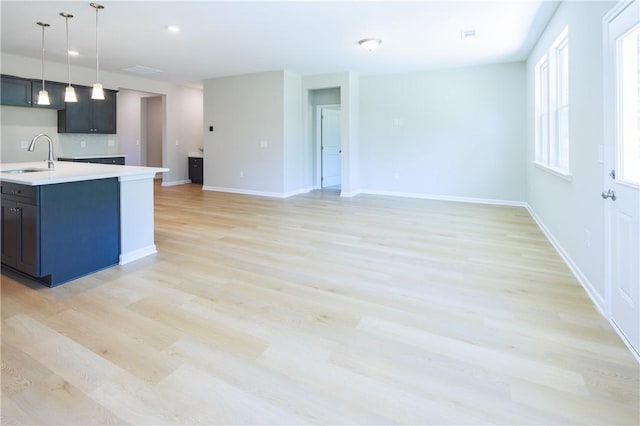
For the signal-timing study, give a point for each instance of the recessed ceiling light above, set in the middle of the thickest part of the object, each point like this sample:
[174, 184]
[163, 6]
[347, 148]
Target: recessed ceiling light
[73, 53]
[370, 44]
[173, 28]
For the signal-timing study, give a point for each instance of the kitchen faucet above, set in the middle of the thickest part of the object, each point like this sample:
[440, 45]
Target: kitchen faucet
[32, 146]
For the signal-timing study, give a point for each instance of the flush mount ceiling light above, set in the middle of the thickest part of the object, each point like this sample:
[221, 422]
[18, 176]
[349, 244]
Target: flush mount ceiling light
[98, 92]
[43, 95]
[173, 29]
[370, 44]
[69, 92]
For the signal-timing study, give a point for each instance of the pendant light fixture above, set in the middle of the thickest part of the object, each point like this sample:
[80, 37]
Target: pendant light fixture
[69, 92]
[98, 92]
[43, 95]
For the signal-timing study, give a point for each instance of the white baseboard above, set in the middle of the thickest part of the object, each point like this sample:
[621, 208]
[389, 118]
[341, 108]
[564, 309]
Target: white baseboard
[137, 254]
[176, 182]
[577, 272]
[595, 297]
[258, 193]
[443, 198]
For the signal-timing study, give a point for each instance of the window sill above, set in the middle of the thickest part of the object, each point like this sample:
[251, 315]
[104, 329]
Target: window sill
[563, 174]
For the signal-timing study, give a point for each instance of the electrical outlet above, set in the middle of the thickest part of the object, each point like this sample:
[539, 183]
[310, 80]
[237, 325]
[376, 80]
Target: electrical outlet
[24, 144]
[241, 174]
[264, 144]
[83, 144]
[138, 142]
[177, 142]
[111, 142]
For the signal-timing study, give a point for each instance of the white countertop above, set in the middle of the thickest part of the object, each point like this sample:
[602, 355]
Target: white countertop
[87, 157]
[71, 172]
[196, 154]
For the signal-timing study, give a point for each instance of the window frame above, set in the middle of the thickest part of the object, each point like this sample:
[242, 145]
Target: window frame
[552, 108]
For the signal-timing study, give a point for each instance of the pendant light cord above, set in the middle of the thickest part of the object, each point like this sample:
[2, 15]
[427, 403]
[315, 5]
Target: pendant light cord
[66, 19]
[97, 52]
[42, 25]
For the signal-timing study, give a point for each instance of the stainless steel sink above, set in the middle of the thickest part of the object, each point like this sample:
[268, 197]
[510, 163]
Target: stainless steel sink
[32, 170]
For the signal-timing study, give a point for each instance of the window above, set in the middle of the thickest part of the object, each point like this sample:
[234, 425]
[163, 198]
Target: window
[552, 106]
[628, 127]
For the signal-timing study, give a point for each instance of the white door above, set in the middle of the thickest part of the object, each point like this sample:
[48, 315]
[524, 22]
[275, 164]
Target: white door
[622, 167]
[331, 147]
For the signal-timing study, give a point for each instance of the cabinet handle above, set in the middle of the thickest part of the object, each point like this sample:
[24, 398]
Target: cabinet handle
[16, 209]
[15, 192]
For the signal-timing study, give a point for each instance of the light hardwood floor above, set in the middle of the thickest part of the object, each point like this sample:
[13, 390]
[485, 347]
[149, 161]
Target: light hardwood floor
[319, 309]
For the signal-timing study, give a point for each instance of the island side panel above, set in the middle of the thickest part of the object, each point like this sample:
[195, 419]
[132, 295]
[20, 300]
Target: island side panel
[136, 218]
[80, 228]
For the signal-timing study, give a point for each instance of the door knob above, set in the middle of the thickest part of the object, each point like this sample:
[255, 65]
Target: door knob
[609, 194]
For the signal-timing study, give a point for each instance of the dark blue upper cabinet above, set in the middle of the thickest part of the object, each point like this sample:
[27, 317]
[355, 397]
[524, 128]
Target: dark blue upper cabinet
[88, 115]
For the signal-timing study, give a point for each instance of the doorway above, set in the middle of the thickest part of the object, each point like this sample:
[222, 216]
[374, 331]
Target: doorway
[622, 170]
[330, 146]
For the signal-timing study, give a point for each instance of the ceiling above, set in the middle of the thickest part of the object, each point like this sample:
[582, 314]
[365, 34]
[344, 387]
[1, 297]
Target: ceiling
[219, 38]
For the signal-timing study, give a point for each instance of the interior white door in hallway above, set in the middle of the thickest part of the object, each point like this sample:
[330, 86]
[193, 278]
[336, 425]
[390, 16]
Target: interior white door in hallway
[330, 147]
[622, 166]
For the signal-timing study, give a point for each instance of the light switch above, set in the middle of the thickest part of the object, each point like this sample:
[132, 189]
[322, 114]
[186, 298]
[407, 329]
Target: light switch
[264, 144]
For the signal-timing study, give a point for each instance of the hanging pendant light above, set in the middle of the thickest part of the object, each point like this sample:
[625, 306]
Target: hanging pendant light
[69, 92]
[43, 95]
[98, 92]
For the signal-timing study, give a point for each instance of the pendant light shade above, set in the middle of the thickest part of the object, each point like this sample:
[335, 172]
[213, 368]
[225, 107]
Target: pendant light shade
[98, 92]
[69, 92]
[43, 95]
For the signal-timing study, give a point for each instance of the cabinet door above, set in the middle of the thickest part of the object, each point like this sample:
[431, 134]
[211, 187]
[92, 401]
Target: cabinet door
[56, 94]
[104, 113]
[15, 91]
[20, 236]
[9, 233]
[87, 115]
[76, 117]
[195, 169]
[27, 238]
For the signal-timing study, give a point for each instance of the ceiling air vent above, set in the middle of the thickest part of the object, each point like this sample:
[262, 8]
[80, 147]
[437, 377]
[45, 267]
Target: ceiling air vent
[468, 34]
[139, 69]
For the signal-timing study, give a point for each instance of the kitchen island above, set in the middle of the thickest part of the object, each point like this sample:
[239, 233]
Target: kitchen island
[62, 223]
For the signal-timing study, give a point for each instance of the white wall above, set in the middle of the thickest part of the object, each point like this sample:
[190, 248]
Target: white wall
[183, 115]
[17, 128]
[245, 110]
[569, 208]
[153, 131]
[454, 132]
[295, 164]
[129, 123]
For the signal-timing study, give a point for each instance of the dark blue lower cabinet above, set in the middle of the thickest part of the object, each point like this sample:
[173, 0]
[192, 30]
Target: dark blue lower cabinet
[79, 229]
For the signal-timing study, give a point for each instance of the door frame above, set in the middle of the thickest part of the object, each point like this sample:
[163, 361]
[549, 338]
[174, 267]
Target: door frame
[318, 136]
[609, 127]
